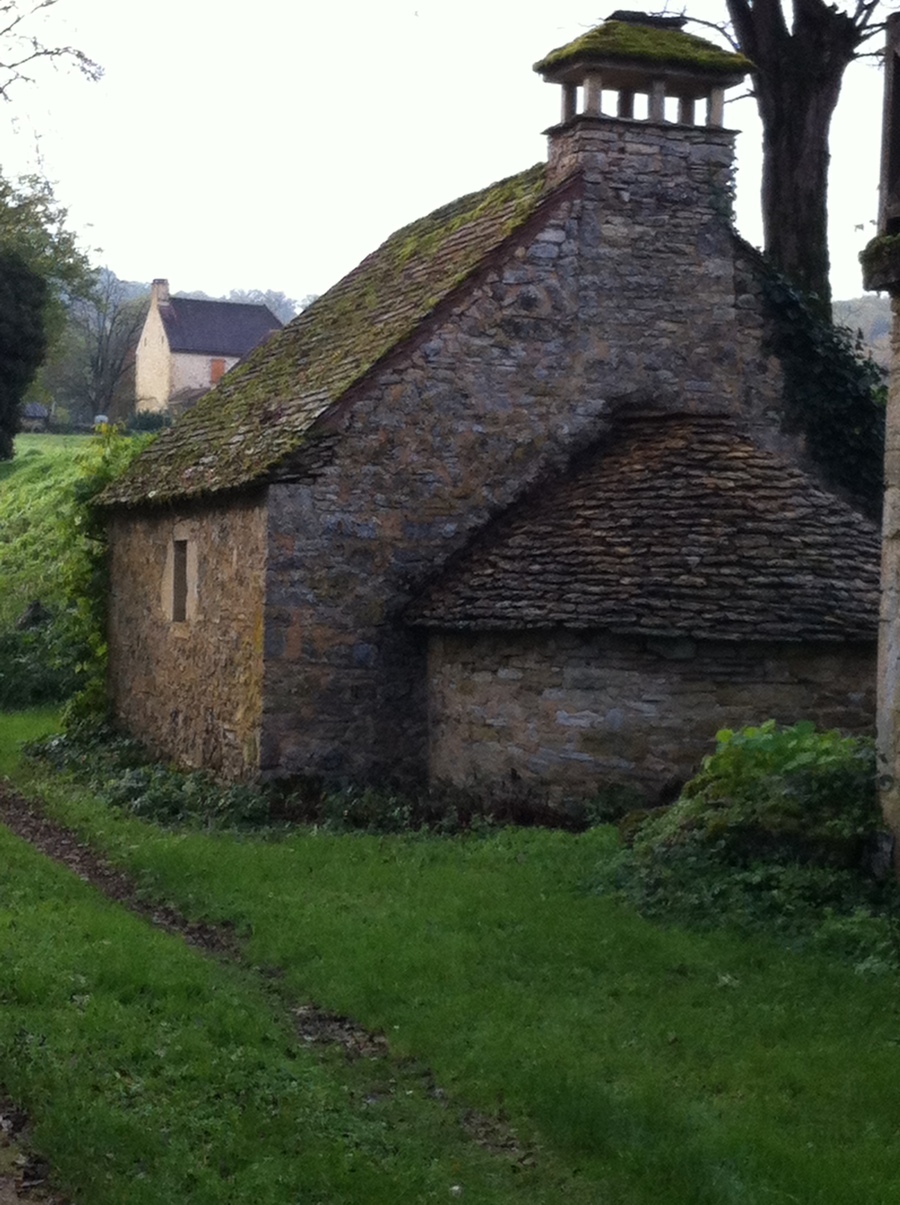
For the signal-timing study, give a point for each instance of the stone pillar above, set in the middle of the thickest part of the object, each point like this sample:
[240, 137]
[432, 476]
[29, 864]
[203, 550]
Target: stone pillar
[626, 104]
[889, 627]
[686, 110]
[657, 100]
[593, 95]
[569, 98]
[715, 115]
[881, 271]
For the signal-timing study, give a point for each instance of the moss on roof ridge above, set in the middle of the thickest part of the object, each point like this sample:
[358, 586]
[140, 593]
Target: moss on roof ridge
[263, 409]
[628, 42]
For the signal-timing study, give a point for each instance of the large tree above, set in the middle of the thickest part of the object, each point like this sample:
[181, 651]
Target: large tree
[33, 224]
[90, 369]
[799, 67]
[23, 295]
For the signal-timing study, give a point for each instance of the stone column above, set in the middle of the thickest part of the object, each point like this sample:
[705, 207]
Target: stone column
[593, 94]
[889, 626]
[657, 102]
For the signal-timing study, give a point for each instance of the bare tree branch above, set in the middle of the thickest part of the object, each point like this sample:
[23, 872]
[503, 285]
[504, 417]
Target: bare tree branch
[20, 48]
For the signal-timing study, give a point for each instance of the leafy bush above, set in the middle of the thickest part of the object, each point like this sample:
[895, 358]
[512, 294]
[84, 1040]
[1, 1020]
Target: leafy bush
[780, 831]
[53, 549]
[778, 794]
[34, 669]
[149, 420]
[84, 572]
[121, 771]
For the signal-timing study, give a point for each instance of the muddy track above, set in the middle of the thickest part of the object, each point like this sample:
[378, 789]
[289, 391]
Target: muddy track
[23, 1176]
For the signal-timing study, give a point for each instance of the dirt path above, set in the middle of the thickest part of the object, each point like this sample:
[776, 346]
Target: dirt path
[22, 1174]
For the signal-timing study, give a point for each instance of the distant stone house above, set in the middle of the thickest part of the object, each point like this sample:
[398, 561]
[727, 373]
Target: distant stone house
[511, 501]
[34, 417]
[187, 345]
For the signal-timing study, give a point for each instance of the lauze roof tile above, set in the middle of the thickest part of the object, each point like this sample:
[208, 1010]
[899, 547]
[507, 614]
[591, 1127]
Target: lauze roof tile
[676, 526]
[263, 409]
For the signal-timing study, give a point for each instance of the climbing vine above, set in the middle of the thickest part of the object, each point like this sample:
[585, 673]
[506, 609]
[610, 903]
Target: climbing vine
[834, 393]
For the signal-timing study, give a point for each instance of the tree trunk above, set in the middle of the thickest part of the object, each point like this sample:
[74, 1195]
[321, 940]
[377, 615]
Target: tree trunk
[795, 186]
[797, 81]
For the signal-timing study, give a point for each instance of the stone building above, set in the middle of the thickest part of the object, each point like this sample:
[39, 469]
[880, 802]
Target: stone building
[187, 344]
[512, 500]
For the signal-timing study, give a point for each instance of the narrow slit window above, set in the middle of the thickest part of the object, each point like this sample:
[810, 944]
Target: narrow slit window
[179, 581]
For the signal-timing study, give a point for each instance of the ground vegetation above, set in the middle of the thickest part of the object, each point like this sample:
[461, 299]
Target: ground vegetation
[53, 566]
[518, 1034]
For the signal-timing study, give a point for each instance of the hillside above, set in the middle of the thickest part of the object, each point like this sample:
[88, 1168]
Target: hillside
[871, 315]
[50, 556]
[35, 496]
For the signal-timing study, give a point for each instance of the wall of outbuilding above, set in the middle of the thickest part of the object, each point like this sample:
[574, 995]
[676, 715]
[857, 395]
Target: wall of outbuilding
[191, 689]
[622, 296]
[568, 712]
[631, 291]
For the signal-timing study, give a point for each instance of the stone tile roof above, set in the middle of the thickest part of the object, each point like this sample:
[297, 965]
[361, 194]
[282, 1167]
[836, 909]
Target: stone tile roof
[216, 328]
[620, 41]
[263, 409]
[678, 526]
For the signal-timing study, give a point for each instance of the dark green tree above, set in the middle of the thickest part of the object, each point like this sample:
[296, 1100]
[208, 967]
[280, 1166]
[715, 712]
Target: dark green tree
[23, 340]
[33, 224]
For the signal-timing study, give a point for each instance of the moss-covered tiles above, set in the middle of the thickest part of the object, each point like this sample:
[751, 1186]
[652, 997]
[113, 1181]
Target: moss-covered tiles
[264, 408]
[628, 43]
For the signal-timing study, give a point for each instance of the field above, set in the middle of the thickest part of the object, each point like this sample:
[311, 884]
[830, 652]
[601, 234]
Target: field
[543, 1042]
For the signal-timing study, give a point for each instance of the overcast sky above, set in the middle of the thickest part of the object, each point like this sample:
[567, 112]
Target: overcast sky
[273, 144]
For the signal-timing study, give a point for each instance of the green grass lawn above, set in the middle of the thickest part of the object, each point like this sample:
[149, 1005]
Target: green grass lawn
[646, 1064]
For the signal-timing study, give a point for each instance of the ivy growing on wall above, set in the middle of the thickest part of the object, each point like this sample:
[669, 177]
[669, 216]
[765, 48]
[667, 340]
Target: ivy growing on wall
[834, 394]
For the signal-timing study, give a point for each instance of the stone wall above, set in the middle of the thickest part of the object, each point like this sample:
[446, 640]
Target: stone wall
[625, 295]
[191, 689]
[192, 372]
[568, 711]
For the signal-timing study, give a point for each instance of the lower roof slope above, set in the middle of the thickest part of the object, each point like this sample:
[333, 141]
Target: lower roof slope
[263, 409]
[678, 526]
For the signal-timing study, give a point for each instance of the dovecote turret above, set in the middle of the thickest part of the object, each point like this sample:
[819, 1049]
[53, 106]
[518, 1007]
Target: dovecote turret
[634, 54]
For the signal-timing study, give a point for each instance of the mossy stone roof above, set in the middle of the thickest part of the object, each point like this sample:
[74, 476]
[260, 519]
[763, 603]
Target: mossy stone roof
[263, 410]
[677, 525]
[628, 42]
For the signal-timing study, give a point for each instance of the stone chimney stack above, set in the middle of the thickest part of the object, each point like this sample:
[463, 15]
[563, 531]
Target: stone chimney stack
[638, 79]
[642, 132]
[159, 291]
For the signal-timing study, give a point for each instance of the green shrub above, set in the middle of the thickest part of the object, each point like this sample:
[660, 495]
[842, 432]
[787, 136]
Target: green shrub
[778, 831]
[779, 794]
[53, 552]
[149, 420]
[34, 669]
